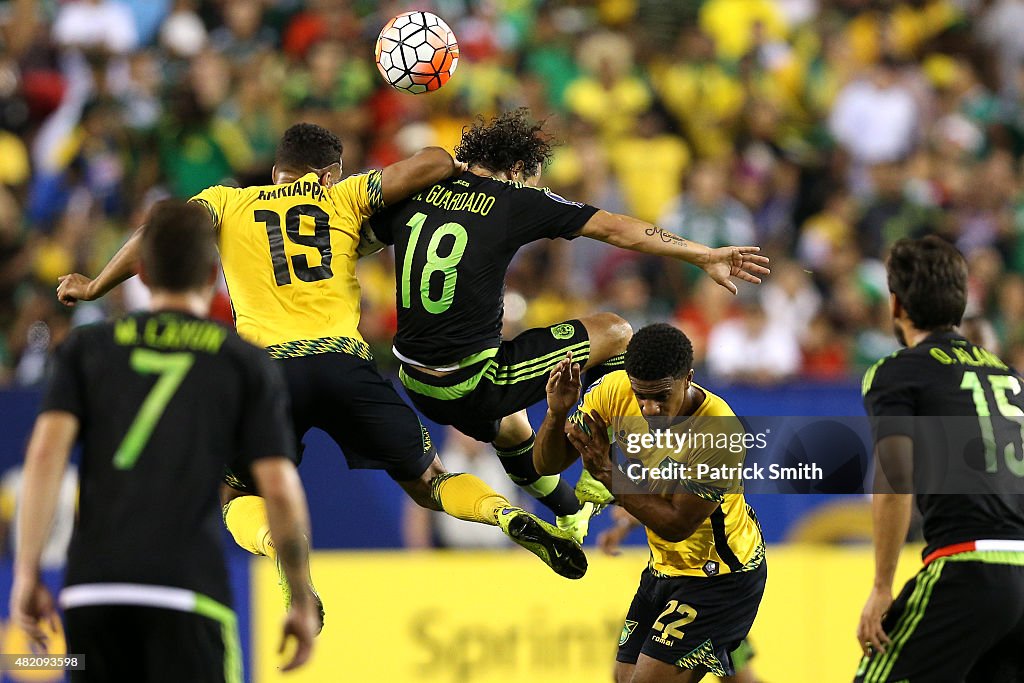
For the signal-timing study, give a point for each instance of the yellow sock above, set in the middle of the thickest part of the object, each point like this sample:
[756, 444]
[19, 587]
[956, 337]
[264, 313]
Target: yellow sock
[246, 519]
[467, 497]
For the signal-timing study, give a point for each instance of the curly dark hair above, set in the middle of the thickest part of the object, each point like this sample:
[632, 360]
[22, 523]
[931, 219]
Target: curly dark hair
[308, 145]
[929, 278]
[658, 351]
[509, 138]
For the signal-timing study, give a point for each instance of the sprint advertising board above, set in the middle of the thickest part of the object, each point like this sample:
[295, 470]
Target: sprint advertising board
[490, 617]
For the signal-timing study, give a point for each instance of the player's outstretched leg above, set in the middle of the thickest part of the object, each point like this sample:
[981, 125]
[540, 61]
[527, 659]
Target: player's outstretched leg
[467, 497]
[245, 516]
[514, 445]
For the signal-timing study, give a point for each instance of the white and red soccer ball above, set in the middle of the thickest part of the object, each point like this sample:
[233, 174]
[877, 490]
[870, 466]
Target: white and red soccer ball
[417, 52]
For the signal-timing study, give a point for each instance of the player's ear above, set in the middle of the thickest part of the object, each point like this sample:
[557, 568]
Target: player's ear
[273, 173]
[211, 280]
[330, 175]
[143, 274]
[518, 171]
[534, 178]
[895, 307]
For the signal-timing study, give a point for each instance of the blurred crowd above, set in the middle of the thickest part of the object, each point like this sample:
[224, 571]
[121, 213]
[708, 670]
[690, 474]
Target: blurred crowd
[822, 131]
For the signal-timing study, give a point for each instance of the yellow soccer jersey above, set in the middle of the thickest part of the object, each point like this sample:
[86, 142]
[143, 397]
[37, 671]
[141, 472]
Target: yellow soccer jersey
[730, 539]
[289, 256]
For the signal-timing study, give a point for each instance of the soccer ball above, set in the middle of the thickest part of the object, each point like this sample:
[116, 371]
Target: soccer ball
[416, 52]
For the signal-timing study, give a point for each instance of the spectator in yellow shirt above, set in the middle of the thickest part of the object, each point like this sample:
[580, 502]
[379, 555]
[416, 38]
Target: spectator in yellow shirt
[732, 24]
[608, 94]
[650, 165]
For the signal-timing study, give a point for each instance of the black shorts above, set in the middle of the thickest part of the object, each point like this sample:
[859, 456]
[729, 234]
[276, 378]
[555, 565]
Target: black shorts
[956, 620]
[692, 621]
[153, 644]
[475, 399]
[346, 396]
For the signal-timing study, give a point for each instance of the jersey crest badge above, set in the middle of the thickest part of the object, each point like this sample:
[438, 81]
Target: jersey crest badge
[627, 631]
[563, 331]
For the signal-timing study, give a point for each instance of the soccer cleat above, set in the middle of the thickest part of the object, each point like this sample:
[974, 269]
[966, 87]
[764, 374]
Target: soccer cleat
[578, 523]
[286, 590]
[557, 548]
[590, 490]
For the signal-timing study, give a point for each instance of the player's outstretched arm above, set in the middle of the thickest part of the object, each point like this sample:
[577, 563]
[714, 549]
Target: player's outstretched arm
[75, 287]
[674, 518]
[552, 452]
[720, 264]
[278, 483]
[45, 461]
[407, 177]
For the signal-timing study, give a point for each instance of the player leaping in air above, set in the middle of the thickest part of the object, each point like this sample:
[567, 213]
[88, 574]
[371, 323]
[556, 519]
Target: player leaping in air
[453, 245]
[288, 251]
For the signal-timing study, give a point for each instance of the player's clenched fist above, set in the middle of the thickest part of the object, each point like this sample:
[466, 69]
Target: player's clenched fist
[74, 287]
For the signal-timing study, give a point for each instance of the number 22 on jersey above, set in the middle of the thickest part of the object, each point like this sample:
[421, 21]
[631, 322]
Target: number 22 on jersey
[435, 263]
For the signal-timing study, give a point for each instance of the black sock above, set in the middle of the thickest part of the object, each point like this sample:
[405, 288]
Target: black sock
[598, 371]
[551, 491]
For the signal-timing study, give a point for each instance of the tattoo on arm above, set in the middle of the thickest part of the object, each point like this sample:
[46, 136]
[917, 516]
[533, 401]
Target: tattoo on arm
[665, 235]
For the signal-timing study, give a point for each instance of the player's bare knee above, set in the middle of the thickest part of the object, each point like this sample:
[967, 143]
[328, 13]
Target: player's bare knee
[620, 332]
[609, 334]
[514, 430]
[419, 490]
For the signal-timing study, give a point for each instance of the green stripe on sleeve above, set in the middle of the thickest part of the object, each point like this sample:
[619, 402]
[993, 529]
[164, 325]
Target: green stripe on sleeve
[869, 376]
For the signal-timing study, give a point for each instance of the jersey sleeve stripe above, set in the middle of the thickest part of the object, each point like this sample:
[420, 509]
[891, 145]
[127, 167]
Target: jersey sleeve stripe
[374, 190]
[722, 541]
[869, 376]
[209, 207]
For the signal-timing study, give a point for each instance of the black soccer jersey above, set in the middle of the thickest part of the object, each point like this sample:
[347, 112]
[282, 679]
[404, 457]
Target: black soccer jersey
[453, 245]
[968, 448]
[164, 402]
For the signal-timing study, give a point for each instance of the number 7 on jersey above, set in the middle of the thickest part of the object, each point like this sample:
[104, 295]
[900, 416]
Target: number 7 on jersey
[172, 368]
